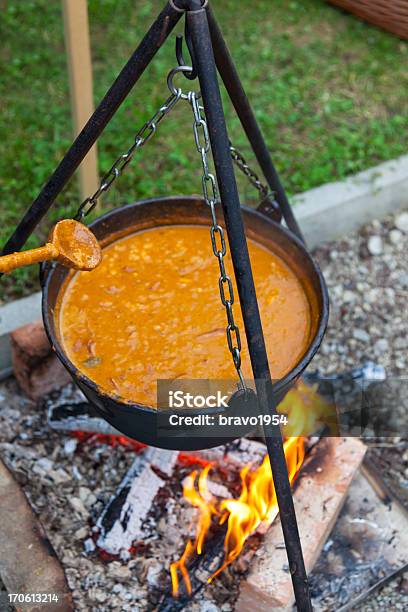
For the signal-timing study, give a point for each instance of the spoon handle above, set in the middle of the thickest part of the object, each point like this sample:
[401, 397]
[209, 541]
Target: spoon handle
[25, 258]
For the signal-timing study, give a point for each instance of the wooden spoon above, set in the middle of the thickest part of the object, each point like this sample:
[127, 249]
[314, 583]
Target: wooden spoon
[70, 243]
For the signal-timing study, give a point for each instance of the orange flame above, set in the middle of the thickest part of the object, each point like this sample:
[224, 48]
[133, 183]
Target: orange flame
[307, 411]
[203, 500]
[256, 504]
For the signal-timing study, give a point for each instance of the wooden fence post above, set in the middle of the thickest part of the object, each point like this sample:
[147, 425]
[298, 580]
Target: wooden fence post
[78, 48]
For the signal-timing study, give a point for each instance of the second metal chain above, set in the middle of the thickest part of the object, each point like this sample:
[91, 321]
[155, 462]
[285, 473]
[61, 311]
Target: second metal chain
[252, 176]
[141, 138]
[210, 193]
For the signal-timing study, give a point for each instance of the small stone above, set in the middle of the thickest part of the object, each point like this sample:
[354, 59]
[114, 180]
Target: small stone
[373, 295]
[208, 606]
[70, 446]
[89, 545]
[128, 596]
[86, 496]
[375, 245]
[326, 348]
[400, 343]
[390, 293]
[81, 533]
[395, 236]
[119, 572]
[78, 506]
[59, 476]
[43, 465]
[361, 334]
[76, 473]
[403, 280]
[401, 222]
[100, 596]
[69, 561]
[349, 296]
[153, 573]
[83, 493]
[381, 345]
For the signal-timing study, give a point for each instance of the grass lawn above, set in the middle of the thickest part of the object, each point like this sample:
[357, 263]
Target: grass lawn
[329, 92]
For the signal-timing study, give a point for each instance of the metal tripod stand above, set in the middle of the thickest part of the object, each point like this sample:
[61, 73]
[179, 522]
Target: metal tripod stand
[210, 52]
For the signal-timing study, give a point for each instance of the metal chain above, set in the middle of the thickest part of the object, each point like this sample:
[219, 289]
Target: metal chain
[210, 193]
[141, 138]
[252, 176]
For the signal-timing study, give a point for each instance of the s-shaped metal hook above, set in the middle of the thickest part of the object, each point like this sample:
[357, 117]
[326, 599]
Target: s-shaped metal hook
[191, 75]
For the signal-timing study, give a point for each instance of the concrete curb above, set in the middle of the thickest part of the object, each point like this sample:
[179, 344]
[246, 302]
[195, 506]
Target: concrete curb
[336, 209]
[325, 213]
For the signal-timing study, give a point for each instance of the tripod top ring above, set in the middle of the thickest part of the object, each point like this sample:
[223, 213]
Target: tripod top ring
[183, 9]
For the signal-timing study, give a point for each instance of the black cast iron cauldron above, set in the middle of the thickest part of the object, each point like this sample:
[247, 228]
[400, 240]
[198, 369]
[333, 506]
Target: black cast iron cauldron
[142, 422]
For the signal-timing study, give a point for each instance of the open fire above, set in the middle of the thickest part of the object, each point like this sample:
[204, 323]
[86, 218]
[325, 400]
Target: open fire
[257, 502]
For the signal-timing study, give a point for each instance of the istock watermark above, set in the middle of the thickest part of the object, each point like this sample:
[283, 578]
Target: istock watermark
[180, 399]
[205, 409]
[210, 409]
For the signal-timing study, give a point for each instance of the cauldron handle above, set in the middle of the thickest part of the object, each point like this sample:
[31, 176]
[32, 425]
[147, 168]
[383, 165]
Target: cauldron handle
[270, 208]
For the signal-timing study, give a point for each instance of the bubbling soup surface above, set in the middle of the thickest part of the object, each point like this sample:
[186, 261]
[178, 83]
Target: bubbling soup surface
[152, 310]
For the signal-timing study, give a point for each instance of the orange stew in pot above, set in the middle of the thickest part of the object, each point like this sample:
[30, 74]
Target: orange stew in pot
[152, 310]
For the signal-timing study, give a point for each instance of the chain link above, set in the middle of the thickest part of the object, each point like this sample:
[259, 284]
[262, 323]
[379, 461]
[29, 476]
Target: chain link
[252, 176]
[141, 138]
[218, 242]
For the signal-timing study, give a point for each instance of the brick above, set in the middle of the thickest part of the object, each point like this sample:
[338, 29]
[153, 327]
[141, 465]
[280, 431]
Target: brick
[35, 365]
[319, 495]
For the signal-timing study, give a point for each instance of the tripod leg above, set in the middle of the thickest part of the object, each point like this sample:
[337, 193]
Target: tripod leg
[128, 76]
[244, 111]
[206, 69]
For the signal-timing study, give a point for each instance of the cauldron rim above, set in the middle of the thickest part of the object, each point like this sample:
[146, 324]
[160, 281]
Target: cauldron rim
[130, 407]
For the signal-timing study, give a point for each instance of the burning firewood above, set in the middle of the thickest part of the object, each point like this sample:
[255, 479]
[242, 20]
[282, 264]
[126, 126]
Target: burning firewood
[121, 524]
[69, 410]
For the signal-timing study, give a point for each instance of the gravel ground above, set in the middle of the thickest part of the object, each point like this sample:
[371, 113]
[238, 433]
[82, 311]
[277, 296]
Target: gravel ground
[367, 278]
[368, 298]
[368, 282]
